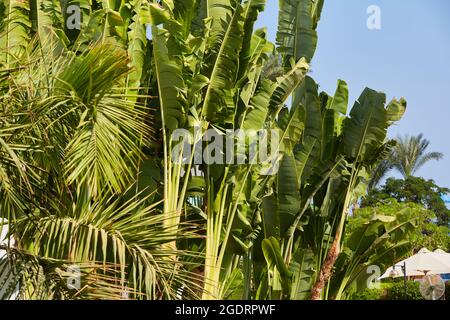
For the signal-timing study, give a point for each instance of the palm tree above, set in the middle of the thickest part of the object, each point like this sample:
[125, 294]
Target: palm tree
[407, 157]
[411, 154]
[70, 152]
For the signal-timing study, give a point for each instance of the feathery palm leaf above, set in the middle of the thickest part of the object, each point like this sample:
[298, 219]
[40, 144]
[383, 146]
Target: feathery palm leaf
[407, 156]
[411, 154]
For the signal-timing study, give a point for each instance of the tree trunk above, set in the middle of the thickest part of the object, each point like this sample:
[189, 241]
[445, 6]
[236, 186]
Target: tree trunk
[326, 271]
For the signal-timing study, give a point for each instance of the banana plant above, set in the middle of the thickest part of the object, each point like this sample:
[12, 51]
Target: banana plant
[364, 138]
[306, 213]
[69, 24]
[315, 187]
[220, 90]
[297, 24]
[377, 243]
[15, 29]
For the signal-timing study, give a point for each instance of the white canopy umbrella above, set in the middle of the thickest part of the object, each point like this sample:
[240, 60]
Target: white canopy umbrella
[422, 263]
[445, 256]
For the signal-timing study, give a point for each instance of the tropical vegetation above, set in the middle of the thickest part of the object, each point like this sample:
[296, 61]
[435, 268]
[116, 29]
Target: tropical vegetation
[91, 179]
[415, 190]
[429, 234]
[407, 157]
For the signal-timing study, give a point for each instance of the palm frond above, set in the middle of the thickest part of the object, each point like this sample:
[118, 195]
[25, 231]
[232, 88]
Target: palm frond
[24, 275]
[410, 154]
[127, 235]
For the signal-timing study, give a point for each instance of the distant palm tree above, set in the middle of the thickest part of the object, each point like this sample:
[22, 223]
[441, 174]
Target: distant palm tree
[407, 157]
[410, 154]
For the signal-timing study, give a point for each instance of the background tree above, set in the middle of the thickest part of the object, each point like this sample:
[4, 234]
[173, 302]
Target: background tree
[407, 156]
[428, 234]
[416, 190]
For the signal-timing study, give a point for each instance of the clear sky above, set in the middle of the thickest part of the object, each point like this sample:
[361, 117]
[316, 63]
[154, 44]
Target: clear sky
[409, 57]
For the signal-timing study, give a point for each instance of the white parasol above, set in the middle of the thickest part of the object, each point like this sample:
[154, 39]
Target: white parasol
[422, 263]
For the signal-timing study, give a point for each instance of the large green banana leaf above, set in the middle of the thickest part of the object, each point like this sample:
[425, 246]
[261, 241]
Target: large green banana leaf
[297, 23]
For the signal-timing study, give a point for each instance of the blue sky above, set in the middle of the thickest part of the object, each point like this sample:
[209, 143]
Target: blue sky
[409, 57]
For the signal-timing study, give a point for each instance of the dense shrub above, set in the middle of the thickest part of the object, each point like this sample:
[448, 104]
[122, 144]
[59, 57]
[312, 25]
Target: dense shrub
[369, 294]
[397, 291]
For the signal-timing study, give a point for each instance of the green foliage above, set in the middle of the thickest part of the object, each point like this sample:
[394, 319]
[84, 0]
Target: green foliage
[297, 22]
[315, 186]
[73, 147]
[416, 190]
[86, 161]
[15, 30]
[428, 234]
[397, 291]
[378, 241]
[408, 154]
[394, 290]
[42, 278]
[369, 294]
[136, 36]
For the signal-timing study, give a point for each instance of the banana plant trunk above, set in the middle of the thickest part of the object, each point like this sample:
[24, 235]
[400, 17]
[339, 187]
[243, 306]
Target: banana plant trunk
[327, 270]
